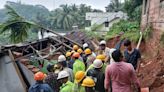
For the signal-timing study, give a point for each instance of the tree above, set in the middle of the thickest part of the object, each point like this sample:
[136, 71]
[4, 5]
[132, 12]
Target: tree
[130, 7]
[65, 17]
[114, 6]
[15, 26]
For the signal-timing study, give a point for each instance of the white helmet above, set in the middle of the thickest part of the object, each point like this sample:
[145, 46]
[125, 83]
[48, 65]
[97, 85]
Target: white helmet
[61, 58]
[102, 42]
[85, 45]
[97, 63]
[62, 74]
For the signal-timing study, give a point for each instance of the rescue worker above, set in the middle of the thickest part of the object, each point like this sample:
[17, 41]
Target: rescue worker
[62, 63]
[103, 50]
[120, 75]
[78, 65]
[39, 86]
[75, 48]
[89, 57]
[79, 77]
[85, 46]
[102, 58]
[132, 55]
[51, 78]
[66, 84]
[89, 84]
[97, 75]
[69, 59]
[80, 51]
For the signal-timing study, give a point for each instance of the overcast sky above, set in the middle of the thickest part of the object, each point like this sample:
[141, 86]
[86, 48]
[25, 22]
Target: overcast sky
[51, 4]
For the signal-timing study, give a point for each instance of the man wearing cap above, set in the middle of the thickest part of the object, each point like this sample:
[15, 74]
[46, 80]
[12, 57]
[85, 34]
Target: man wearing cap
[103, 49]
[78, 65]
[79, 77]
[97, 75]
[66, 84]
[89, 84]
[40, 86]
[62, 63]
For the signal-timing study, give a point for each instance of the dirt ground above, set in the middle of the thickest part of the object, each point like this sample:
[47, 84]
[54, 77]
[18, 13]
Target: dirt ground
[151, 73]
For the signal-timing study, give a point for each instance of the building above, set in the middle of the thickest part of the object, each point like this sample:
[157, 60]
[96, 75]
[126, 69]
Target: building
[104, 20]
[153, 13]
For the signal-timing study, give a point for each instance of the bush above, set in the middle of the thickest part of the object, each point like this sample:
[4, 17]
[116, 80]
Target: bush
[130, 29]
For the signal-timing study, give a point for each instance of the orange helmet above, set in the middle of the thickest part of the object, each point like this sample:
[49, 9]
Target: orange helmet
[75, 47]
[39, 76]
[76, 55]
[80, 51]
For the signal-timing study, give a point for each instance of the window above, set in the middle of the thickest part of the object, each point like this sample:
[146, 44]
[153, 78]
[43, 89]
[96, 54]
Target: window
[145, 8]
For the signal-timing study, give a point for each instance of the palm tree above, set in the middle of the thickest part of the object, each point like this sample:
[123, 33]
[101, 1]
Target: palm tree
[16, 26]
[65, 18]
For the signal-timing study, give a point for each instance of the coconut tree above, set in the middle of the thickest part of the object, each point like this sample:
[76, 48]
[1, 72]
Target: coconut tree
[16, 26]
[65, 18]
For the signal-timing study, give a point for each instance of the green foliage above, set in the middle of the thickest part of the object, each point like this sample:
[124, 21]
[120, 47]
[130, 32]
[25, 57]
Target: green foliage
[15, 26]
[148, 32]
[114, 6]
[96, 27]
[136, 14]
[133, 8]
[130, 29]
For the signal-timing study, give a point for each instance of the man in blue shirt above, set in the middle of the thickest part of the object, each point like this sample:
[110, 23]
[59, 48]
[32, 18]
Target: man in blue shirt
[132, 55]
[40, 86]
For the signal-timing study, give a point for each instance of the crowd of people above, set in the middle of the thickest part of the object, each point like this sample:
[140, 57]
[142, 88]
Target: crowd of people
[84, 70]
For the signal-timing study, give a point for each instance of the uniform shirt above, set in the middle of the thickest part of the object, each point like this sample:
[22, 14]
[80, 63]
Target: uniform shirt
[78, 88]
[78, 66]
[67, 87]
[133, 57]
[122, 75]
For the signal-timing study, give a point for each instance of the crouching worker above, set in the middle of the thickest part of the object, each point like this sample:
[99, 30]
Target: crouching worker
[66, 84]
[79, 77]
[39, 86]
[89, 84]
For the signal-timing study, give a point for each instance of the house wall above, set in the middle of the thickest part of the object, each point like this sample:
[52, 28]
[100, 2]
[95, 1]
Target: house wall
[101, 18]
[154, 14]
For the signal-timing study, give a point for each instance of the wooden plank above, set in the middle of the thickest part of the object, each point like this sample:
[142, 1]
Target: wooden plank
[62, 43]
[61, 36]
[17, 70]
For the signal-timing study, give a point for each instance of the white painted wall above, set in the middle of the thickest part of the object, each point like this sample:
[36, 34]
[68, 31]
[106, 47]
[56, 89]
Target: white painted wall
[100, 18]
